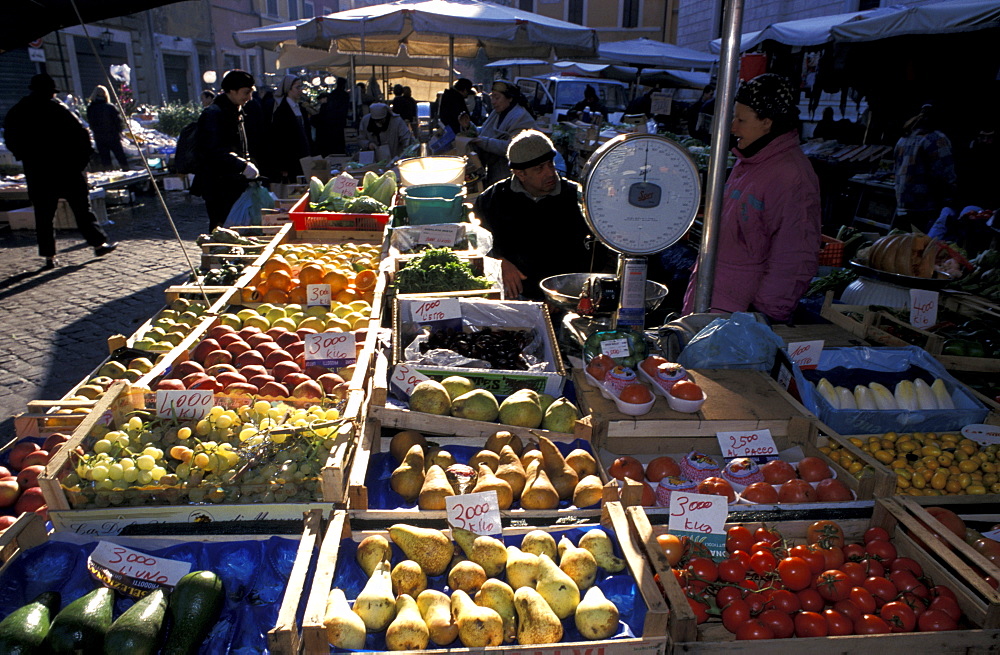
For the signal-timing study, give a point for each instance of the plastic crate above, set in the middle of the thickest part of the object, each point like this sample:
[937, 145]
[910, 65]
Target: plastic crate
[303, 219]
[832, 252]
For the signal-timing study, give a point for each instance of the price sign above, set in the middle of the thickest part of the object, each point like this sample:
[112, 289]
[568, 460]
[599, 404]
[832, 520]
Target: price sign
[445, 234]
[405, 378]
[992, 534]
[345, 185]
[660, 103]
[133, 572]
[318, 294]
[184, 403]
[983, 434]
[701, 517]
[479, 513]
[923, 308]
[615, 348]
[750, 443]
[331, 349]
[806, 353]
[433, 311]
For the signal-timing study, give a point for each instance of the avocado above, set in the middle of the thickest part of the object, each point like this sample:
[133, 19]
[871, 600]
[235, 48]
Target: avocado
[24, 630]
[194, 607]
[137, 630]
[80, 627]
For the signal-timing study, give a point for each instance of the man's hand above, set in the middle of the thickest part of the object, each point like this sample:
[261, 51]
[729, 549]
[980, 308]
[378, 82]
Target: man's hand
[512, 279]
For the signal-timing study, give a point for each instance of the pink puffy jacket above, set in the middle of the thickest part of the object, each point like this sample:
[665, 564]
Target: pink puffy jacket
[769, 238]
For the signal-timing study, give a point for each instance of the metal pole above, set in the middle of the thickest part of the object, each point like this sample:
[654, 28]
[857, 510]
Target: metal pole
[725, 92]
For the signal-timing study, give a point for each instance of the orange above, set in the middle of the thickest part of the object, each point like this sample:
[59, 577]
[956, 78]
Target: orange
[276, 263]
[279, 280]
[276, 296]
[261, 290]
[346, 295]
[249, 294]
[368, 295]
[337, 281]
[297, 295]
[365, 279]
[311, 273]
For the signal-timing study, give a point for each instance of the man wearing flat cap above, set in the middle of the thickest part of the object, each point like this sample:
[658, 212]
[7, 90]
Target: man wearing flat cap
[535, 218]
[55, 149]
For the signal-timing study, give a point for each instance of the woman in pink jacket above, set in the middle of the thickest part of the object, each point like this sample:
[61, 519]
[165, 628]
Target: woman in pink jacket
[769, 236]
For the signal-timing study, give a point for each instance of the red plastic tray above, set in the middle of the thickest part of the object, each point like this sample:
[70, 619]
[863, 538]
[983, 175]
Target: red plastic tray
[303, 219]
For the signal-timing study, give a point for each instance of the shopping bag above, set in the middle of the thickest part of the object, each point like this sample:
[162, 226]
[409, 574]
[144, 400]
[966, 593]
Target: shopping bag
[246, 210]
[740, 342]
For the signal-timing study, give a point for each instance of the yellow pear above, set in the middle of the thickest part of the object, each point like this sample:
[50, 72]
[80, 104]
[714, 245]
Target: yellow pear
[589, 491]
[539, 542]
[408, 630]
[408, 578]
[401, 443]
[440, 457]
[467, 576]
[408, 477]
[435, 608]
[577, 563]
[501, 438]
[344, 628]
[488, 481]
[488, 457]
[489, 553]
[561, 475]
[434, 490]
[538, 490]
[536, 622]
[464, 538]
[529, 455]
[376, 604]
[557, 588]
[499, 597]
[599, 544]
[582, 462]
[372, 550]
[596, 617]
[478, 627]
[428, 547]
[522, 568]
[511, 471]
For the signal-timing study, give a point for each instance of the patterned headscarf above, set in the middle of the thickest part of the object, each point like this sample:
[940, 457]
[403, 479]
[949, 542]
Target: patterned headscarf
[769, 95]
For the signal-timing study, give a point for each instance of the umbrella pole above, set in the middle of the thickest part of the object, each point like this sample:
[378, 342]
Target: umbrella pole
[732, 22]
[451, 60]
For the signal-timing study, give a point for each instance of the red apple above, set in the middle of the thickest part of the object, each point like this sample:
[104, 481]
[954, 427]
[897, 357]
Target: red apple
[237, 347]
[227, 378]
[308, 389]
[187, 367]
[194, 378]
[302, 332]
[31, 500]
[315, 371]
[37, 457]
[260, 380]
[54, 439]
[19, 452]
[10, 491]
[274, 390]
[284, 340]
[242, 389]
[226, 339]
[218, 330]
[283, 368]
[252, 370]
[330, 381]
[275, 357]
[256, 339]
[248, 331]
[248, 358]
[293, 380]
[267, 348]
[6, 521]
[171, 383]
[28, 477]
[275, 331]
[207, 383]
[217, 357]
[204, 347]
[216, 369]
[296, 350]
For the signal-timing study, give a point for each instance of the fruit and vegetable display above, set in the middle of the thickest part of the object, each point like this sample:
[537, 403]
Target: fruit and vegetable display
[499, 348]
[171, 325]
[912, 255]
[957, 335]
[349, 268]
[374, 196]
[929, 464]
[538, 475]
[908, 395]
[771, 587]
[984, 280]
[416, 589]
[20, 468]
[261, 452]
[457, 396]
[945, 521]
[438, 270]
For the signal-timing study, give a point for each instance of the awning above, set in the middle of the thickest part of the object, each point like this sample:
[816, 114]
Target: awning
[647, 52]
[802, 32]
[940, 18]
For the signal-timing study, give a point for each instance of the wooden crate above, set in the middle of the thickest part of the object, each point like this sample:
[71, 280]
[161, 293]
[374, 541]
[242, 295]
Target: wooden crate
[686, 636]
[653, 639]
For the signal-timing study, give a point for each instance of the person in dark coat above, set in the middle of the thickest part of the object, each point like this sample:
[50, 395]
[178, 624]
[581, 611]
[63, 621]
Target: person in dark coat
[106, 125]
[54, 146]
[288, 135]
[453, 104]
[255, 124]
[331, 121]
[405, 106]
[224, 165]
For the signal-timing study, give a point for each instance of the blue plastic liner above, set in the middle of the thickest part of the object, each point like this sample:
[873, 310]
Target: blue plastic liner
[619, 588]
[381, 466]
[254, 576]
[847, 367]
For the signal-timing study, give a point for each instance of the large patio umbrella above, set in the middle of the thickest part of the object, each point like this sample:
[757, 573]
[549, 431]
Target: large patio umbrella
[647, 52]
[952, 17]
[802, 32]
[268, 36]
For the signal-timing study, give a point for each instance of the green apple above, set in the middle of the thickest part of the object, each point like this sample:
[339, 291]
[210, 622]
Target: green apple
[293, 308]
[314, 322]
[343, 311]
[361, 306]
[258, 322]
[144, 343]
[316, 310]
[180, 304]
[298, 317]
[286, 323]
[232, 320]
[337, 324]
[248, 313]
[274, 314]
[264, 308]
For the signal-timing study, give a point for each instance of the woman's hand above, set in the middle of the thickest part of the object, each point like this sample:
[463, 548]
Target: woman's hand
[512, 278]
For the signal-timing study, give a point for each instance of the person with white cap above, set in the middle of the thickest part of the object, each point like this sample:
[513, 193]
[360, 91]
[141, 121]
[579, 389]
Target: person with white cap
[535, 218]
[384, 132]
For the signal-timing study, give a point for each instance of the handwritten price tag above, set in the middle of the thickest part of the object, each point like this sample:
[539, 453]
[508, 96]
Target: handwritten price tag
[318, 294]
[615, 348]
[445, 234]
[405, 378]
[345, 185]
[806, 353]
[184, 403]
[754, 443]
[479, 513]
[701, 517]
[133, 572]
[439, 309]
[331, 349]
[923, 308]
[982, 433]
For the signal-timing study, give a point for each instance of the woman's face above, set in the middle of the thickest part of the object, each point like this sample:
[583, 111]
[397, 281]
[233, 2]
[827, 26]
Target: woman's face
[500, 101]
[295, 93]
[747, 127]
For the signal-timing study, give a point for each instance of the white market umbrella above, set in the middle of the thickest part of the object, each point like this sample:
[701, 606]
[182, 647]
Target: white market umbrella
[647, 52]
[940, 18]
[803, 32]
[268, 36]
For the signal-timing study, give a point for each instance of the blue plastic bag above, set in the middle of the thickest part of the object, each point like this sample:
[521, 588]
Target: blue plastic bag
[740, 342]
[247, 208]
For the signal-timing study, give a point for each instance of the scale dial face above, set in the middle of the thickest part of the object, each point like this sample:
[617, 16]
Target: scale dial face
[640, 193]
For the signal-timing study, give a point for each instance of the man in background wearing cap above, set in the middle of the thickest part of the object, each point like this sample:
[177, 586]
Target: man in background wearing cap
[509, 117]
[769, 232]
[55, 149]
[224, 166]
[384, 132]
[535, 218]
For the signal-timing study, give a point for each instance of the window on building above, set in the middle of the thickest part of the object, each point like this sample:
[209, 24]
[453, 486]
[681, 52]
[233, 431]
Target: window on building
[630, 13]
[574, 11]
[308, 10]
[867, 4]
[230, 62]
[272, 8]
[526, 5]
[293, 9]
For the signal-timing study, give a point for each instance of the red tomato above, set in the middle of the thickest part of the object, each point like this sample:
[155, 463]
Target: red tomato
[796, 491]
[899, 616]
[626, 467]
[870, 624]
[906, 564]
[814, 469]
[741, 555]
[770, 536]
[781, 624]
[833, 585]
[763, 562]
[941, 590]
[728, 594]
[815, 560]
[636, 393]
[762, 547]
[784, 601]
[906, 581]
[834, 557]
[855, 572]
[876, 534]
[916, 603]
[833, 491]
[949, 519]
[599, 367]
[810, 600]
[795, 573]
[662, 467]
[873, 567]
[738, 537]
[753, 629]
[880, 588]
[762, 493]
[703, 568]
[883, 551]
[778, 471]
[863, 599]
[947, 605]
[650, 364]
[838, 624]
[936, 620]
[672, 547]
[854, 552]
[732, 570]
[826, 534]
[700, 610]
[810, 624]
[735, 613]
[686, 390]
[756, 602]
[849, 609]
[714, 486]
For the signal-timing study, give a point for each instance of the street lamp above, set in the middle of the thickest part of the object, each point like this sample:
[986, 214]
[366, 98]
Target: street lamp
[209, 78]
[329, 80]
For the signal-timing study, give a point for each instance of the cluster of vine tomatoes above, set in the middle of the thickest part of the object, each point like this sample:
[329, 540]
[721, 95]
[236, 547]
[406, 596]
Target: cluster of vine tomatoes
[766, 589]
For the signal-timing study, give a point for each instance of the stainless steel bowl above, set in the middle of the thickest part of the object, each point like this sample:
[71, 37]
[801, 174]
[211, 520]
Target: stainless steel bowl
[564, 290]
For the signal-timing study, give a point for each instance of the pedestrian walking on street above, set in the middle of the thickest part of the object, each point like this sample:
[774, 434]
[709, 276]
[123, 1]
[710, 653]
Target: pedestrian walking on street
[106, 124]
[55, 149]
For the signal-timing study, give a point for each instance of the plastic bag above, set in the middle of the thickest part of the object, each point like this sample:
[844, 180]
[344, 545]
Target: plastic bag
[740, 342]
[247, 208]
